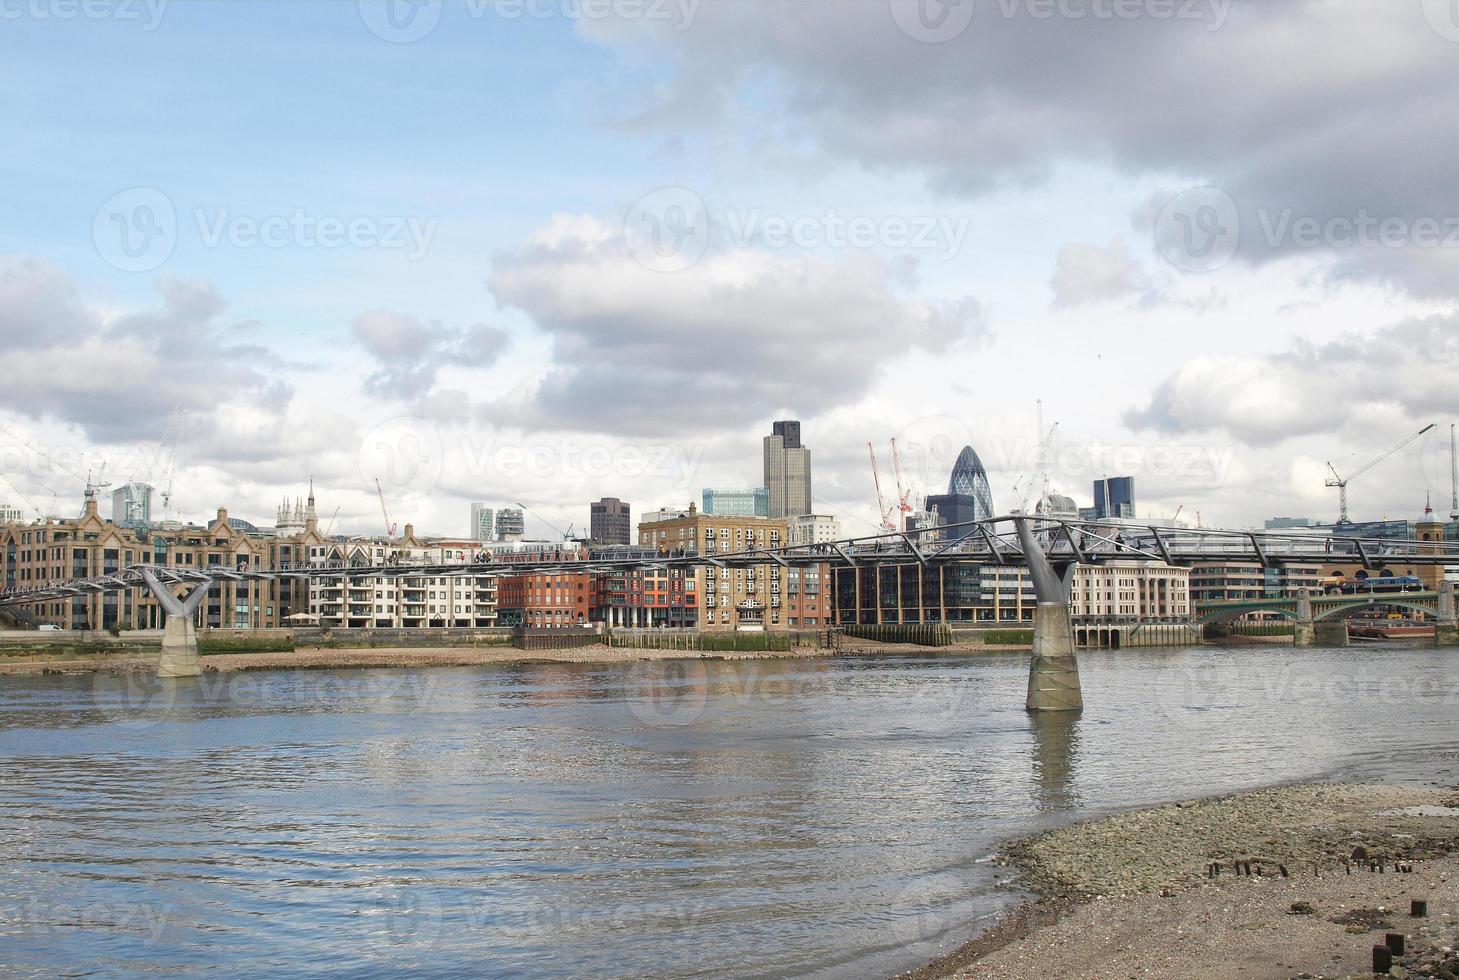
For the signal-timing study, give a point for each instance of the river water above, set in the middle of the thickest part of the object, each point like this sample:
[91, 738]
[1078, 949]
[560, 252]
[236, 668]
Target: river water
[760, 818]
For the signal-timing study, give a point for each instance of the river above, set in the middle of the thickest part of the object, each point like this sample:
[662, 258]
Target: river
[756, 818]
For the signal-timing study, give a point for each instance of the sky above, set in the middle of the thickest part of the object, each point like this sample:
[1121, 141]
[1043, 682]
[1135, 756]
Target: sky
[543, 251]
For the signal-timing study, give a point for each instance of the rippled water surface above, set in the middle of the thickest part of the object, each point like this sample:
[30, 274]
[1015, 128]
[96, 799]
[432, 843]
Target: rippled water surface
[692, 819]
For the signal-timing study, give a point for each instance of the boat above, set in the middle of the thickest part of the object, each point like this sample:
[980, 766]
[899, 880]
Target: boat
[1389, 629]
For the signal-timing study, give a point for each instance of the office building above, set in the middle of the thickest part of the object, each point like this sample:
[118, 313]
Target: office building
[609, 522]
[813, 529]
[483, 523]
[1114, 497]
[511, 525]
[10, 515]
[1286, 523]
[968, 498]
[787, 471]
[748, 502]
[131, 505]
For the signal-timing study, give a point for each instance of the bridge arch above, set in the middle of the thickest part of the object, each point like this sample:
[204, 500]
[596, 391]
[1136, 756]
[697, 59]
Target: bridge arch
[1236, 612]
[1336, 610]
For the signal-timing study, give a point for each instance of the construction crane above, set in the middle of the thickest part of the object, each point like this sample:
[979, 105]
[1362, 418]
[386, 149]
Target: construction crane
[881, 504]
[1342, 482]
[389, 527]
[904, 490]
[566, 535]
[1453, 475]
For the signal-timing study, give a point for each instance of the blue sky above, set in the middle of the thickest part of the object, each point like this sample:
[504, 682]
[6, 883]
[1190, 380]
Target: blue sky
[509, 158]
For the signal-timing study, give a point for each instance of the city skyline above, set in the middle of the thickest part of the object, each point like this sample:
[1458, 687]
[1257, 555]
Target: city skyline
[1271, 355]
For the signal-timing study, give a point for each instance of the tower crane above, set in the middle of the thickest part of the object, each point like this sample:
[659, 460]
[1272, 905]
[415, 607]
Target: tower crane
[389, 528]
[904, 490]
[881, 504]
[1342, 482]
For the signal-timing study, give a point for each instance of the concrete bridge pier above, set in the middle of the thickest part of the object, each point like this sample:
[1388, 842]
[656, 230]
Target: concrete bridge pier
[179, 637]
[1331, 632]
[1304, 633]
[1053, 676]
[1446, 631]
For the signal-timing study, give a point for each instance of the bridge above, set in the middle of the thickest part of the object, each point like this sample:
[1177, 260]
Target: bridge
[1050, 548]
[1313, 615]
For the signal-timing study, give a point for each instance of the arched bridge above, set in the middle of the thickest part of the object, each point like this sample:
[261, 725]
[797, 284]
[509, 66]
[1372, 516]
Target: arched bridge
[1323, 607]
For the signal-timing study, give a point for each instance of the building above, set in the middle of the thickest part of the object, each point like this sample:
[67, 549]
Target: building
[1114, 497]
[131, 505]
[10, 515]
[399, 601]
[787, 471]
[661, 514]
[609, 522]
[749, 502]
[39, 554]
[548, 600]
[511, 525]
[756, 598]
[483, 523]
[1057, 506]
[1287, 523]
[813, 529]
[971, 593]
[968, 499]
[1229, 580]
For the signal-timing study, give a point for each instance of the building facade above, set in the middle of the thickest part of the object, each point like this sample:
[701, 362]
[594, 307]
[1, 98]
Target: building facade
[511, 525]
[1114, 497]
[483, 523]
[787, 471]
[609, 522]
[1227, 581]
[755, 598]
[748, 502]
[131, 505]
[813, 529]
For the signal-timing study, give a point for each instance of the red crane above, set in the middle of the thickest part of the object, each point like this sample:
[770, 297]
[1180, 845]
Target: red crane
[904, 492]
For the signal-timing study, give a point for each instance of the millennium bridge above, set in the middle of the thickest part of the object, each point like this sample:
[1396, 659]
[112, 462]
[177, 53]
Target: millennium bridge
[1050, 548]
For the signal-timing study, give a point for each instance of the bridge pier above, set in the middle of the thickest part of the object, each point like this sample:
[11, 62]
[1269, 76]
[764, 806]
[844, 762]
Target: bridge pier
[1446, 629]
[179, 637]
[1053, 675]
[1331, 632]
[1304, 634]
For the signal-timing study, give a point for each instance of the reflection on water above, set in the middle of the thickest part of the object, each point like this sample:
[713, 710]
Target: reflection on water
[757, 818]
[1056, 743]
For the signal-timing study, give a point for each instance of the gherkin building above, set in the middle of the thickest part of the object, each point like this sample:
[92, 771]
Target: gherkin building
[970, 479]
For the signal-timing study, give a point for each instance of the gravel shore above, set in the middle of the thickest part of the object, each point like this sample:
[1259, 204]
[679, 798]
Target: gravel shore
[1132, 895]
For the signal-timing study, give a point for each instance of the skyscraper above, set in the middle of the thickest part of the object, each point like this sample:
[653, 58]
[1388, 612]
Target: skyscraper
[1114, 497]
[968, 496]
[483, 527]
[787, 471]
[609, 522]
[131, 505]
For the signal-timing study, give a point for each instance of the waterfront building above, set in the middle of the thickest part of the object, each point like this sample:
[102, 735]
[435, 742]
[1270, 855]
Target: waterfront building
[787, 471]
[548, 600]
[483, 522]
[1232, 579]
[511, 525]
[813, 529]
[972, 593]
[131, 505]
[748, 599]
[748, 502]
[609, 522]
[1114, 497]
[39, 554]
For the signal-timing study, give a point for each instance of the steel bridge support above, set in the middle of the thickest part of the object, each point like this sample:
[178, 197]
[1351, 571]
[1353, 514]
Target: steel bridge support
[179, 637]
[1053, 675]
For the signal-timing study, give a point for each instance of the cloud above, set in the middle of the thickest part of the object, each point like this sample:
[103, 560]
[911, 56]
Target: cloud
[1401, 374]
[410, 353]
[120, 377]
[737, 336]
[1311, 108]
[1091, 274]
